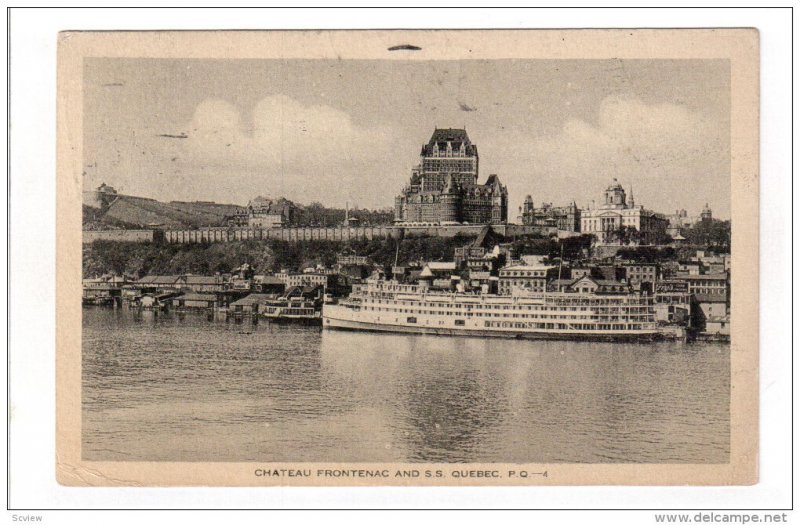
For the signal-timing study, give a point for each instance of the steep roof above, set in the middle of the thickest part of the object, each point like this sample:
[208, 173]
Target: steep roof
[559, 283]
[456, 137]
[203, 279]
[197, 297]
[493, 180]
[158, 279]
[253, 298]
[441, 265]
[267, 279]
[487, 238]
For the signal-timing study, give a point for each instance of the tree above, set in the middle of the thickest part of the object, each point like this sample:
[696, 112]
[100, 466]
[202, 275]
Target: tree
[713, 234]
[627, 235]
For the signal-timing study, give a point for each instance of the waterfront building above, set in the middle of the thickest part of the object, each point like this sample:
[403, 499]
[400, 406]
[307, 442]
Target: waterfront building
[711, 287]
[160, 283]
[710, 296]
[563, 218]
[240, 284]
[608, 272]
[267, 284]
[576, 272]
[310, 292]
[482, 254]
[291, 280]
[483, 281]
[251, 304]
[637, 273]
[589, 285]
[444, 188]
[438, 275]
[527, 277]
[719, 325]
[617, 217]
[205, 283]
[195, 301]
[104, 290]
[673, 301]
[634, 273]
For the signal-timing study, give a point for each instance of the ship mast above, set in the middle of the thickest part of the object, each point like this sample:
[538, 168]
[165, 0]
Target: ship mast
[396, 255]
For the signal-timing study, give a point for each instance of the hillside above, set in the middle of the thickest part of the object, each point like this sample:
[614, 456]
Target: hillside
[95, 219]
[137, 212]
[140, 259]
[126, 211]
[208, 211]
[144, 212]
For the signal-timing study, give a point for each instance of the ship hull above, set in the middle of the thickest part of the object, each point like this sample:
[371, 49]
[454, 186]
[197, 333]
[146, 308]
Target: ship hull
[305, 321]
[334, 319]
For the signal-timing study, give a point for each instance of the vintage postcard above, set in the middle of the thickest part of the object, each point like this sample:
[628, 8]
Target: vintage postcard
[492, 257]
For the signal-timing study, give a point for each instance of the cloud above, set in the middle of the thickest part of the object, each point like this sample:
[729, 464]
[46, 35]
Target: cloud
[304, 152]
[658, 148]
[674, 157]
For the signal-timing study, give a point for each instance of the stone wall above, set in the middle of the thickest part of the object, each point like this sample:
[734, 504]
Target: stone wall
[283, 234]
[209, 235]
[121, 235]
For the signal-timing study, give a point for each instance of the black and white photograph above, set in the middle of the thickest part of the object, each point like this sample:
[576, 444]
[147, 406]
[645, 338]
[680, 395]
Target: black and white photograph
[420, 264]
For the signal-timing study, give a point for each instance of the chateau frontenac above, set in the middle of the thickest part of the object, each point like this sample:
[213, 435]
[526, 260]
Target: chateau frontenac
[444, 186]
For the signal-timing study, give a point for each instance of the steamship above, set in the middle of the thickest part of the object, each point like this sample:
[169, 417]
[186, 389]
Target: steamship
[388, 306]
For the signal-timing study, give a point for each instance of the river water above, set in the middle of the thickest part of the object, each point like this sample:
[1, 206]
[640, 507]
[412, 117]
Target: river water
[160, 388]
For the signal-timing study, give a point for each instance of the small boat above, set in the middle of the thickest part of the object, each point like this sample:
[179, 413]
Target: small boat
[293, 310]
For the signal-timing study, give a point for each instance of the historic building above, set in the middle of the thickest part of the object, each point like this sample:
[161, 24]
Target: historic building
[682, 220]
[706, 215]
[615, 220]
[444, 186]
[263, 212]
[100, 198]
[565, 218]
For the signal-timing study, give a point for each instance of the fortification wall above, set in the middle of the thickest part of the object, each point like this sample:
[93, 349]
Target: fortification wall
[120, 235]
[213, 235]
[283, 234]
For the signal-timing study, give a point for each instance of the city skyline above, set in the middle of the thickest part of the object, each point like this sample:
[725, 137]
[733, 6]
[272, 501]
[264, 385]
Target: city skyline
[350, 131]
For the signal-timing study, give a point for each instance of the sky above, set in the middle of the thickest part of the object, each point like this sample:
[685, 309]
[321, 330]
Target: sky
[350, 131]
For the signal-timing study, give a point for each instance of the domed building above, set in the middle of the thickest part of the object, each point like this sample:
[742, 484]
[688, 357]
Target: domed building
[608, 221]
[706, 215]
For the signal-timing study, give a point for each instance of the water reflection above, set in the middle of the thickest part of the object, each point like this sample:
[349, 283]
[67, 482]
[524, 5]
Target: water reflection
[190, 389]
